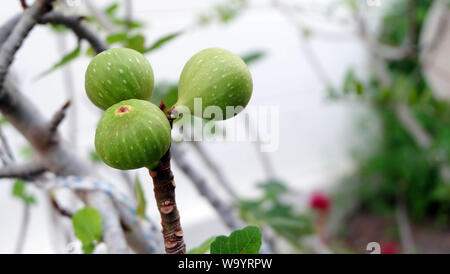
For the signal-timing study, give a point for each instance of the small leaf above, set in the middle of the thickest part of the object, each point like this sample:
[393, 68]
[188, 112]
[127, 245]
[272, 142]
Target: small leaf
[111, 9]
[244, 241]
[66, 59]
[168, 92]
[19, 191]
[136, 42]
[18, 188]
[142, 203]
[203, 248]
[87, 224]
[116, 37]
[163, 40]
[252, 57]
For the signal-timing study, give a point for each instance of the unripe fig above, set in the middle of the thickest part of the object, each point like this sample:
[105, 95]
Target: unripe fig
[132, 134]
[217, 76]
[118, 74]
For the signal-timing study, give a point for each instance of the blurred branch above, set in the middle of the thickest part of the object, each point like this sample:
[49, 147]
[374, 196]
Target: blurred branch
[225, 211]
[76, 24]
[58, 208]
[420, 136]
[24, 171]
[226, 184]
[404, 226]
[104, 21]
[58, 157]
[18, 34]
[23, 229]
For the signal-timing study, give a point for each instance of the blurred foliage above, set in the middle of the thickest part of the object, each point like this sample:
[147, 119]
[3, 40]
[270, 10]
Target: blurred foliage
[224, 12]
[398, 169]
[140, 198]
[271, 210]
[19, 191]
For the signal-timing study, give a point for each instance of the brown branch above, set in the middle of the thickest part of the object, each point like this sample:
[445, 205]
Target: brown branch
[24, 4]
[78, 27]
[62, 211]
[164, 188]
[27, 21]
[58, 117]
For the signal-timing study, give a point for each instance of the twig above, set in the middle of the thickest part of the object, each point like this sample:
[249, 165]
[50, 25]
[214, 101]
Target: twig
[23, 229]
[62, 211]
[27, 21]
[58, 117]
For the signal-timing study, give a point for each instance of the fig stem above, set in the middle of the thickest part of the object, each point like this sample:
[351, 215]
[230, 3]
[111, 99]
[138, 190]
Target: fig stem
[164, 188]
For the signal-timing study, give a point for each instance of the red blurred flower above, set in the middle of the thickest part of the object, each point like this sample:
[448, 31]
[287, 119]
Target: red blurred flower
[389, 248]
[319, 201]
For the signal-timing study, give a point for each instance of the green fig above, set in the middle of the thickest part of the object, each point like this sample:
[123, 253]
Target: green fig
[132, 134]
[217, 76]
[118, 74]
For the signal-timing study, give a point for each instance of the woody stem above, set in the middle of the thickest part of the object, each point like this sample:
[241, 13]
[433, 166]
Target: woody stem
[164, 188]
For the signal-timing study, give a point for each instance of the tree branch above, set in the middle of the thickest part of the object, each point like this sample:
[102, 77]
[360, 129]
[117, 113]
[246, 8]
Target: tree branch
[24, 171]
[58, 158]
[224, 210]
[27, 21]
[79, 28]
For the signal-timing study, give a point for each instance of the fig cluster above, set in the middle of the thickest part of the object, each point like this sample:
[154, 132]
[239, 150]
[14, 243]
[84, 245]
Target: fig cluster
[134, 133]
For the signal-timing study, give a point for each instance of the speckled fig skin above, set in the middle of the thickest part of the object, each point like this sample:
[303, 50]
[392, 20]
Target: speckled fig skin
[118, 74]
[132, 134]
[217, 76]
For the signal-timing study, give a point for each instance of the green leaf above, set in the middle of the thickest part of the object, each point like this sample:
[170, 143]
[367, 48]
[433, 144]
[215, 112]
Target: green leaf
[142, 203]
[203, 248]
[18, 188]
[66, 59]
[253, 57]
[87, 224]
[116, 37]
[168, 92]
[136, 42]
[19, 191]
[111, 9]
[163, 40]
[244, 241]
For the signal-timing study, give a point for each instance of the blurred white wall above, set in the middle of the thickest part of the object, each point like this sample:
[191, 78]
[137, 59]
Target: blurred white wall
[315, 134]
